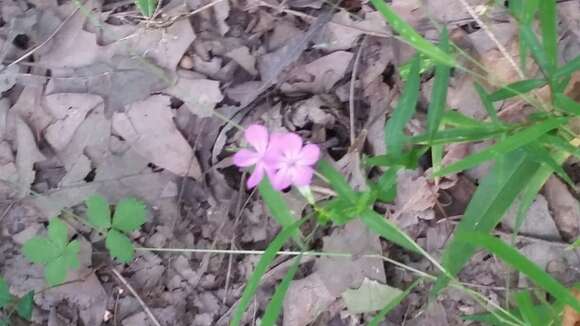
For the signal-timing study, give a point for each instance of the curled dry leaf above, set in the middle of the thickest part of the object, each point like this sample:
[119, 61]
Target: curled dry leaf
[149, 128]
[564, 207]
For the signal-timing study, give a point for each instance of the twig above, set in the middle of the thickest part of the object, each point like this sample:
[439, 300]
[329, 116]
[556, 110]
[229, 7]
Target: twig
[500, 46]
[352, 86]
[134, 293]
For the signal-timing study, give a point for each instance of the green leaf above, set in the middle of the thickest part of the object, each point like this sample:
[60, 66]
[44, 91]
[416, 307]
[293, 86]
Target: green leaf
[512, 257]
[567, 104]
[55, 271]
[337, 181]
[40, 250]
[517, 88]
[5, 296]
[487, 104]
[146, 7]
[503, 147]
[392, 304]
[440, 86]
[369, 297]
[558, 143]
[457, 119]
[98, 212]
[528, 36]
[542, 156]
[25, 305]
[129, 215]
[409, 160]
[495, 194]
[385, 228]
[119, 246]
[261, 268]
[70, 254]
[395, 127]
[386, 187]
[568, 69]
[278, 207]
[527, 309]
[411, 36]
[491, 318]
[57, 233]
[458, 135]
[549, 28]
[274, 307]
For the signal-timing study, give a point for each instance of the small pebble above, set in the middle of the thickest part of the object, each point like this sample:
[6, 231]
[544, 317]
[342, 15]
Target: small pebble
[186, 62]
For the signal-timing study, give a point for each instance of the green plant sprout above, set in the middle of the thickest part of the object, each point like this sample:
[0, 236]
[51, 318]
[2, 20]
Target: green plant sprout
[54, 252]
[146, 7]
[129, 216]
[10, 304]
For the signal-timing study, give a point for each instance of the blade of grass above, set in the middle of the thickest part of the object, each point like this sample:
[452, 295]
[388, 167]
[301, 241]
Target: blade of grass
[489, 319]
[147, 7]
[549, 27]
[566, 104]
[493, 197]
[409, 35]
[536, 49]
[543, 156]
[458, 135]
[274, 307]
[512, 257]
[568, 69]
[517, 88]
[487, 104]
[440, 86]
[385, 228]
[395, 127]
[526, 307]
[261, 267]
[509, 144]
[557, 142]
[337, 181]
[380, 316]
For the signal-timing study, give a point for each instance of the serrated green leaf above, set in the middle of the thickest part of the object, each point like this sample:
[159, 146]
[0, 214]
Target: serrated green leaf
[549, 28]
[440, 85]
[391, 305]
[55, 271]
[516, 89]
[394, 129]
[408, 34]
[512, 257]
[129, 215]
[254, 280]
[495, 194]
[40, 250]
[503, 147]
[58, 233]
[386, 229]
[527, 309]
[146, 7]
[98, 212]
[275, 305]
[5, 296]
[120, 246]
[566, 104]
[25, 305]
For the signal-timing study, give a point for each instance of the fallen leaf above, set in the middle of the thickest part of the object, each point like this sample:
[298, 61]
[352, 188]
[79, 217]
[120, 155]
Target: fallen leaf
[337, 36]
[416, 197]
[571, 317]
[565, 208]
[538, 222]
[244, 58]
[370, 296]
[149, 128]
[200, 95]
[27, 154]
[305, 300]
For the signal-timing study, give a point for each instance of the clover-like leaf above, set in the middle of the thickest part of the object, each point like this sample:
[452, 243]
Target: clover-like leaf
[40, 250]
[24, 306]
[55, 271]
[98, 212]
[5, 296]
[70, 254]
[120, 246]
[129, 215]
[57, 233]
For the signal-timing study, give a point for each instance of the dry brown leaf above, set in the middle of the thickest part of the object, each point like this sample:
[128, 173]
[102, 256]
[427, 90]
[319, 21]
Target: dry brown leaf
[149, 128]
[416, 197]
[305, 300]
[337, 36]
[571, 317]
[27, 154]
[200, 95]
[538, 222]
[565, 208]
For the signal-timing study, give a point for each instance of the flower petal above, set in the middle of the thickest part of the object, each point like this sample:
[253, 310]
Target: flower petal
[281, 180]
[291, 145]
[302, 176]
[256, 176]
[244, 158]
[309, 154]
[257, 136]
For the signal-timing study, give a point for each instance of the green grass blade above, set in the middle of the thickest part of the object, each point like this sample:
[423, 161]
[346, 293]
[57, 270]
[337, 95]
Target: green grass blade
[503, 147]
[458, 135]
[458, 119]
[274, 307]
[536, 49]
[512, 257]
[146, 7]
[278, 207]
[409, 35]
[489, 318]
[261, 268]
[566, 104]
[543, 156]
[337, 181]
[493, 197]
[558, 143]
[549, 27]
[395, 127]
[440, 86]
[515, 89]
[385, 228]
[408, 160]
[527, 309]
[380, 316]
[568, 69]
[487, 104]
[386, 187]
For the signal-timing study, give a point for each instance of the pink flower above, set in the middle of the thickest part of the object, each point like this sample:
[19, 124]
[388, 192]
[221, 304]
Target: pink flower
[258, 137]
[293, 161]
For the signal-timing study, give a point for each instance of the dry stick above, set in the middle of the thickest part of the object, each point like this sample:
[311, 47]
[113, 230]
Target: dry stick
[136, 295]
[500, 46]
[352, 86]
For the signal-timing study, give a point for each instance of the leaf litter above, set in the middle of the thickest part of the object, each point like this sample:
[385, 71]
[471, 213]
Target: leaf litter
[126, 108]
